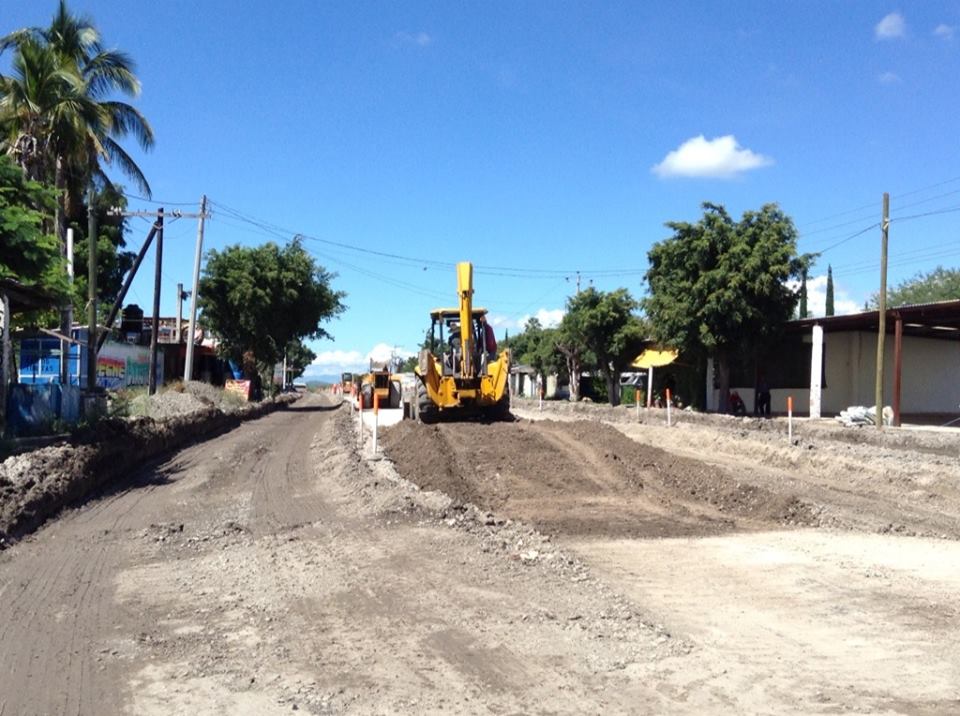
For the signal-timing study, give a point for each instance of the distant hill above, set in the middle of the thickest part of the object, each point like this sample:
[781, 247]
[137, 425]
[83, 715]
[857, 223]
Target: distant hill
[320, 380]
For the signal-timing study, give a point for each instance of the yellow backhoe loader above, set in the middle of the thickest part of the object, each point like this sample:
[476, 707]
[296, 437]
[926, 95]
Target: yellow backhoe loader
[457, 376]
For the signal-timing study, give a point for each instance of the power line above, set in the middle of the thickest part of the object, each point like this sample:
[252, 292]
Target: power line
[848, 238]
[159, 203]
[507, 271]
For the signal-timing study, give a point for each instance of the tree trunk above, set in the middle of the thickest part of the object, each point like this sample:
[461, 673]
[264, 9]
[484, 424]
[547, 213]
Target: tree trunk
[723, 378]
[613, 387]
[573, 368]
[60, 181]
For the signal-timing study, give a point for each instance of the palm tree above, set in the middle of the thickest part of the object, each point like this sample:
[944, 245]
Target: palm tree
[78, 44]
[55, 110]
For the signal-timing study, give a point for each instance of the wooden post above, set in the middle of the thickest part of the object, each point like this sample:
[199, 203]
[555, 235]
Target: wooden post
[882, 312]
[155, 323]
[178, 330]
[897, 366]
[115, 309]
[360, 419]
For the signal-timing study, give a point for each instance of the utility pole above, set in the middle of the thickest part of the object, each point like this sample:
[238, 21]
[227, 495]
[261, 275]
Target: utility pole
[154, 229]
[155, 324]
[882, 309]
[192, 326]
[91, 294]
[578, 282]
[177, 330]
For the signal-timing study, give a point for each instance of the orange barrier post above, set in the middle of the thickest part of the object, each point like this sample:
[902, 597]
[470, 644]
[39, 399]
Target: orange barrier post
[360, 419]
[668, 408]
[790, 418]
[376, 413]
[636, 394]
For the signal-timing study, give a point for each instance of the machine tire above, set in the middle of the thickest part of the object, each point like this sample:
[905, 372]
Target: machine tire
[426, 411]
[501, 410]
[366, 393]
[396, 394]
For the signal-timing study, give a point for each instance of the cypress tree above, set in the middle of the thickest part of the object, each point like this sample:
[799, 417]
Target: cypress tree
[829, 307]
[803, 295]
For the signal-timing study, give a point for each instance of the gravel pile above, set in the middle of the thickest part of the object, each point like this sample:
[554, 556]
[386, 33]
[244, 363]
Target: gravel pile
[183, 399]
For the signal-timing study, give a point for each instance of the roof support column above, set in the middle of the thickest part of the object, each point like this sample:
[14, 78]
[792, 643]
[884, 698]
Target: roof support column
[816, 371]
[897, 366]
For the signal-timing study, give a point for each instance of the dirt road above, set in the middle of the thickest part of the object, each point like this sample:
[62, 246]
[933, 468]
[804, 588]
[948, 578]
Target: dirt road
[273, 569]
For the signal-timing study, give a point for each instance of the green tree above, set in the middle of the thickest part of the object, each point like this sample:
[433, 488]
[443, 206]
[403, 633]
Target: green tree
[299, 356]
[940, 284]
[604, 325]
[719, 288]
[27, 253]
[829, 309]
[57, 111]
[258, 300]
[536, 346]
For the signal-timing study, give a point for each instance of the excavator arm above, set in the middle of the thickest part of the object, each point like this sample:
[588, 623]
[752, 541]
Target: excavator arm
[467, 337]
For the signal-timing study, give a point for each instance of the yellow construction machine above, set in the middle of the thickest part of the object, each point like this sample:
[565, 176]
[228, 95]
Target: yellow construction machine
[457, 376]
[380, 383]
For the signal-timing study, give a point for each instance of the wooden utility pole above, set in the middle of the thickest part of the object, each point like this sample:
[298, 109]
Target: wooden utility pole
[192, 326]
[177, 331]
[882, 309]
[91, 294]
[155, 324]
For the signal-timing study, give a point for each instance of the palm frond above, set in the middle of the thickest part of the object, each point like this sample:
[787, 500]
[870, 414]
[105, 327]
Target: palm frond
[125, 162]
[126, 119]
[111, 71]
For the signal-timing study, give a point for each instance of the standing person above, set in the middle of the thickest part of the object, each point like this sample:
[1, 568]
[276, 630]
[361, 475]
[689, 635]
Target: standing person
[489, 339]
[763, 396]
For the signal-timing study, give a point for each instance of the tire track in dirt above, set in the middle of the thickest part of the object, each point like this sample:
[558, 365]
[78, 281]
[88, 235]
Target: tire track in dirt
[63, 647]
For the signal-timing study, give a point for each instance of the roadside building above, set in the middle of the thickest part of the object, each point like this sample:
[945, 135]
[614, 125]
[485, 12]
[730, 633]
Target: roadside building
[828, 364]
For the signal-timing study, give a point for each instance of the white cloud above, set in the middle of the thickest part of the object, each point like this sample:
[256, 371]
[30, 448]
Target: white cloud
[548, 317]
[420, 39]
[383, 352]
[889, 78]
[817, 297]
[721, 157]
[340, 361]
[890, 27]
[944, 30]
[336, 359]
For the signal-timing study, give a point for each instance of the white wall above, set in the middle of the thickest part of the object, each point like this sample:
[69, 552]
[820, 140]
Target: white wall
[931, 376]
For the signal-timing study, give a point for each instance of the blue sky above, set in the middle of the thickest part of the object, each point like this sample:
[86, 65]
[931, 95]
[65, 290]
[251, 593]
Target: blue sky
[536, 139]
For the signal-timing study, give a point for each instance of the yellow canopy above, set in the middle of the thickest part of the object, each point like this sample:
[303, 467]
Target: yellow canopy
[651, 358]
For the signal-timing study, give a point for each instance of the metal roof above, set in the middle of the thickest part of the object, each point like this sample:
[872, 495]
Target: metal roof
[940, 319]
[455, 312]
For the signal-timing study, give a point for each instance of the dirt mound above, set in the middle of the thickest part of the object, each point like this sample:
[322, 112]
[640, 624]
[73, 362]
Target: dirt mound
[583, 478]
